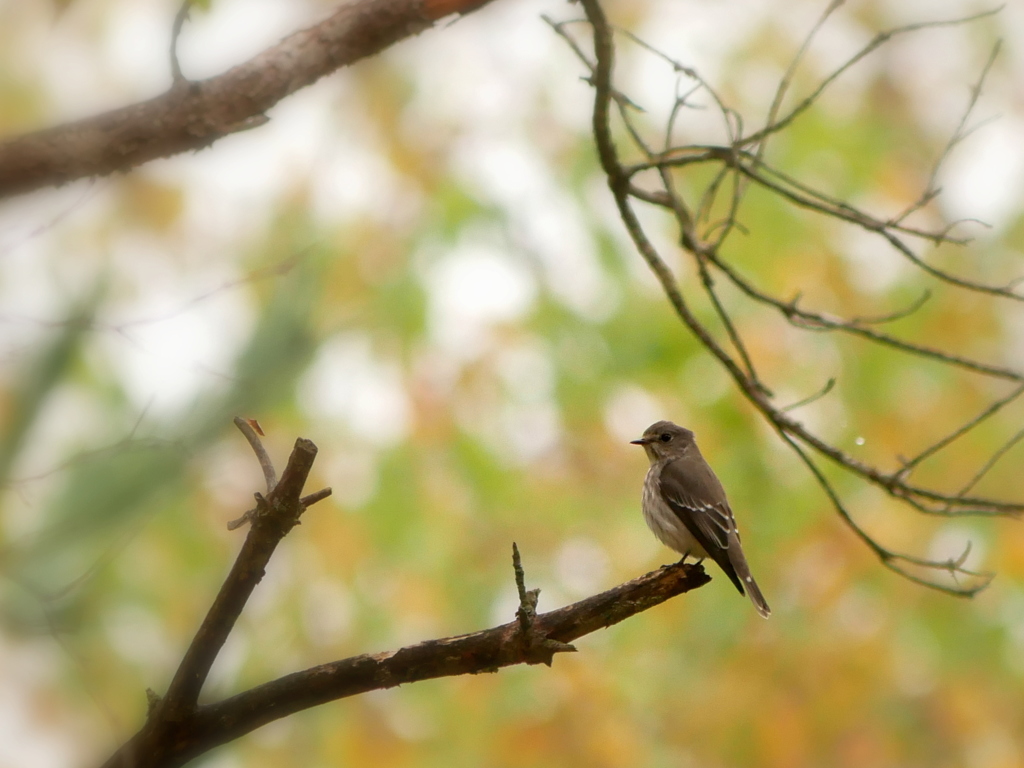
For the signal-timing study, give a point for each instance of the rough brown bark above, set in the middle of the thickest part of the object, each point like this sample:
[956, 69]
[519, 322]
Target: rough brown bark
[192, 115]
[167, 744]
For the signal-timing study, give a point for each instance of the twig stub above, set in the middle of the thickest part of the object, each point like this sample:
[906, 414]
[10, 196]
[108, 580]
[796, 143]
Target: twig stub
[269, 473]
[537, 647]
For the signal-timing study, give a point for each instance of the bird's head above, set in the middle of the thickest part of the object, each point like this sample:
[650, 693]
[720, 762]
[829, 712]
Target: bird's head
[663, 439]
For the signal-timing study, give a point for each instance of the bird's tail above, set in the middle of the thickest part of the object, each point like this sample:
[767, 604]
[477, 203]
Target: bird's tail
[739, 563]
[754, 593]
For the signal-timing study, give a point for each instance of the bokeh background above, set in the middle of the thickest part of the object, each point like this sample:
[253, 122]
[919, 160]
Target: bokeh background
[416, 264]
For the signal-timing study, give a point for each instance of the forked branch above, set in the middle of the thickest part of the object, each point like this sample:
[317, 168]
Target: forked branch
[739, 162]
[178, 728]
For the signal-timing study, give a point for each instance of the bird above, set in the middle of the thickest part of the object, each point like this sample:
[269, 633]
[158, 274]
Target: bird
[685, 506]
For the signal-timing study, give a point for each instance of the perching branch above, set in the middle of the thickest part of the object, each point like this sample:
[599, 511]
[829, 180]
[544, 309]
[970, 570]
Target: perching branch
[739, 162]
[178, 729]
[192, 115]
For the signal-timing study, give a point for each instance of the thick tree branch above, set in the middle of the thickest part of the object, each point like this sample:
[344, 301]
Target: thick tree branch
[192, 115]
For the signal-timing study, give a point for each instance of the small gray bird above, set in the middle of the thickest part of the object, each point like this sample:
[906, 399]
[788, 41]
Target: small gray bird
[685, 505]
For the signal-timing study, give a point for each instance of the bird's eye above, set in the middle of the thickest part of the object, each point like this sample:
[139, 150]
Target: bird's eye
[665, 437]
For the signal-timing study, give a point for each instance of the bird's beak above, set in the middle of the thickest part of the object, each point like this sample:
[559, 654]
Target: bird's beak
[641, 441]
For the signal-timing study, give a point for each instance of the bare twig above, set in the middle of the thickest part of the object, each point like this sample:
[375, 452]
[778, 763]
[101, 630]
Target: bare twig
[315, 497]
[787, 79]
[179, 22]
[993, 408]
[704, 247]
[812, 398]
[891, 317]
[817, 321]
[892, 560]
[876, 42]
[269, 473]
[691, 241]
[959, 134]
[991, 462]
[884, 229]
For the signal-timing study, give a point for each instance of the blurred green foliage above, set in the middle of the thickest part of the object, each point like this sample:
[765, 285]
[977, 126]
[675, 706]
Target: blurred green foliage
[454, 420]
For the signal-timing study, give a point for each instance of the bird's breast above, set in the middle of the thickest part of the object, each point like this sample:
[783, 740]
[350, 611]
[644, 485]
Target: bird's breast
[663, 521]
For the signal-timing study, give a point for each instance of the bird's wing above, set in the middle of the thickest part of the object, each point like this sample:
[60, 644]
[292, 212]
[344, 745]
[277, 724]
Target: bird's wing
[711, 523]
